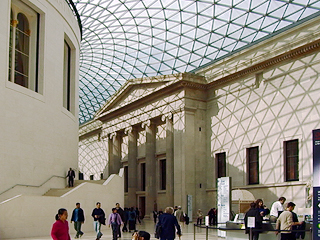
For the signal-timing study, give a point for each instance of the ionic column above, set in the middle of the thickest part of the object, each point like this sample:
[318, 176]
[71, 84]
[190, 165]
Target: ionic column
[151, 188]
[132, 166]
[169, 159]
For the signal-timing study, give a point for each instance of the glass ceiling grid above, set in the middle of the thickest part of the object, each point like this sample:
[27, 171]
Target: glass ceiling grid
[131, 39]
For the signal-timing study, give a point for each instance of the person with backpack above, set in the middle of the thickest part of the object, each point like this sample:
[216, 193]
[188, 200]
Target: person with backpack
[132, 219]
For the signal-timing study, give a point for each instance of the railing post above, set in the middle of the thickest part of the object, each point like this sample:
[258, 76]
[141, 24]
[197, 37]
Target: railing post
[207, 230]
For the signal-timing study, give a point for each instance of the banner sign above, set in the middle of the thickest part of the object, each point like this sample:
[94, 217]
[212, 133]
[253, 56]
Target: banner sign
[189, 207]
[224, 203]
[316, 184]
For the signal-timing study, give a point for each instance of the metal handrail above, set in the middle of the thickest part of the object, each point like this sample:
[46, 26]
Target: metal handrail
[26, 185]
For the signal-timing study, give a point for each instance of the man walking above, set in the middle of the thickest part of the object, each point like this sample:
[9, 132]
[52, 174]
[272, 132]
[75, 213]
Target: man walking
[78, 219]
[98, 219]
[285, 223]
[121, 213]
[179, 214]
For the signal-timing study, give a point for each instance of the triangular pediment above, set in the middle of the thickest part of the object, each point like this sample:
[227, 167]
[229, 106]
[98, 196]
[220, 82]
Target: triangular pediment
[136, 89]
[135, 92]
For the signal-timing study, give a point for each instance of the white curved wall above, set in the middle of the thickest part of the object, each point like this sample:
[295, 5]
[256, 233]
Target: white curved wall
[38, 136]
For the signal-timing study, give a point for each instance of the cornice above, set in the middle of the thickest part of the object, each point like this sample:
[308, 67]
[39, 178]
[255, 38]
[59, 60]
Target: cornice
[290, 55]
[184, 84]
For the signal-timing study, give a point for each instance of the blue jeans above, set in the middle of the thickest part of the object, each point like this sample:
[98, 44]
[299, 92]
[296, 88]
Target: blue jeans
[115, 229]
[77, 227]
[97, 226]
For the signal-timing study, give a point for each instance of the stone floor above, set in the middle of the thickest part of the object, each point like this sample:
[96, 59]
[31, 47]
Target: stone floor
[146, 225]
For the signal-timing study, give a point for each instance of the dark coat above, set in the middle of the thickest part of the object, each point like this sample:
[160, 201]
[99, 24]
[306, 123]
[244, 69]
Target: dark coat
[253, 212]
[101, 215]
[80, 215]
[168, 224]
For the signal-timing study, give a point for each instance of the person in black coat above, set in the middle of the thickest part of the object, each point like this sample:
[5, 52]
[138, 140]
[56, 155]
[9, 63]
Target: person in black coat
[253, 212]
[168, 224]
[99, 217]
[78, 219]
[71, 175]
[121, 213]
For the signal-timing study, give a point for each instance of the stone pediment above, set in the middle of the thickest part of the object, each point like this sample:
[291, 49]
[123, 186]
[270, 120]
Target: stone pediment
[134, 90]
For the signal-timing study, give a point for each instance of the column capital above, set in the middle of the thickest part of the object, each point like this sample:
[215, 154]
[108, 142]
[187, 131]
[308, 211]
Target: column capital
[166, 116]
[146, 123]
[128, 130]
[112, 135]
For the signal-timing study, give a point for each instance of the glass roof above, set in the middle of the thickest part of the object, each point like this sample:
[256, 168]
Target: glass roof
[125, 39]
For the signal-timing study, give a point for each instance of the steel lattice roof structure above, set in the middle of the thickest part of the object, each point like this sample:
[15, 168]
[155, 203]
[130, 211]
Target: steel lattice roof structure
[126, 39]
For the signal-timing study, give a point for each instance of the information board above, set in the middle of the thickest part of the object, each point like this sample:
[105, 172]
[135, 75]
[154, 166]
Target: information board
[189, 207]
[224, 203]
[316, 183]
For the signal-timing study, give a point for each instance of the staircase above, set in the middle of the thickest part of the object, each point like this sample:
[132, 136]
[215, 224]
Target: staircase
[58, 192]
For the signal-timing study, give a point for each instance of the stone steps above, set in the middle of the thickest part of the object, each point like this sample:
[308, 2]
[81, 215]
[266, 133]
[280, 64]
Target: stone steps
[58, 192]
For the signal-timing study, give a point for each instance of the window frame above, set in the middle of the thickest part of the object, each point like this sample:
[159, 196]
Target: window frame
[162, 179]
[69, 82]
[126, 179]
[219, 166]
[253, 165]
[33, 18]
[295, 165]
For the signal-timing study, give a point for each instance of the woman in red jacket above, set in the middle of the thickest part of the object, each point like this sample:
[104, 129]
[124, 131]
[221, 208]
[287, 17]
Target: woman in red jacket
[60, 229]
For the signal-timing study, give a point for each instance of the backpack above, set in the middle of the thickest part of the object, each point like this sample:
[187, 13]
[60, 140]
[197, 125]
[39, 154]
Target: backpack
[132, 215]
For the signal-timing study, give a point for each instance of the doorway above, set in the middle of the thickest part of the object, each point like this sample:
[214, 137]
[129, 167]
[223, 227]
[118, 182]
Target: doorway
[142, 206]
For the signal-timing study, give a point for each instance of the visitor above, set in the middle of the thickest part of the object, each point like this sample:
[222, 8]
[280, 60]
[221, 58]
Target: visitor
[71, 175]
[276, 209]
[179, 214]
[211, 214]
[138, 216]
[78, 219]
[60, 229]
[253, 212]
[263, 210]
[115, 223]
[98, 219]
[199, 217]
[155, 216]
[141, 235]
[126, 218]
[169, 225]
[285, 223]
[121, 213]
[132, 219]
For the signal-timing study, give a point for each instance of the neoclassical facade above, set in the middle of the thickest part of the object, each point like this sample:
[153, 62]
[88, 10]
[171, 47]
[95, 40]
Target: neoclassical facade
[249, 116]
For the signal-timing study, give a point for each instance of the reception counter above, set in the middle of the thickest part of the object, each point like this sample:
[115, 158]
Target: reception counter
[267, 234]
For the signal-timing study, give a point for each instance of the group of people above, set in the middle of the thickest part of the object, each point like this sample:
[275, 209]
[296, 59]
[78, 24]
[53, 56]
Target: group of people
[212, 216]
[286, 220]
[117, 218]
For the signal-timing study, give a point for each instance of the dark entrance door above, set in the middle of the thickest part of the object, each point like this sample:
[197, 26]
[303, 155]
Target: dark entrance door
[142, 206]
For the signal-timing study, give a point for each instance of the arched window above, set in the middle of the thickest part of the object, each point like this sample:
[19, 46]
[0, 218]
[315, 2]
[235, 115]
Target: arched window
[23, 46]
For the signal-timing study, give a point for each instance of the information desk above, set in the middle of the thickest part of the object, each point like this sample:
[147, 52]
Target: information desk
[267, 234]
